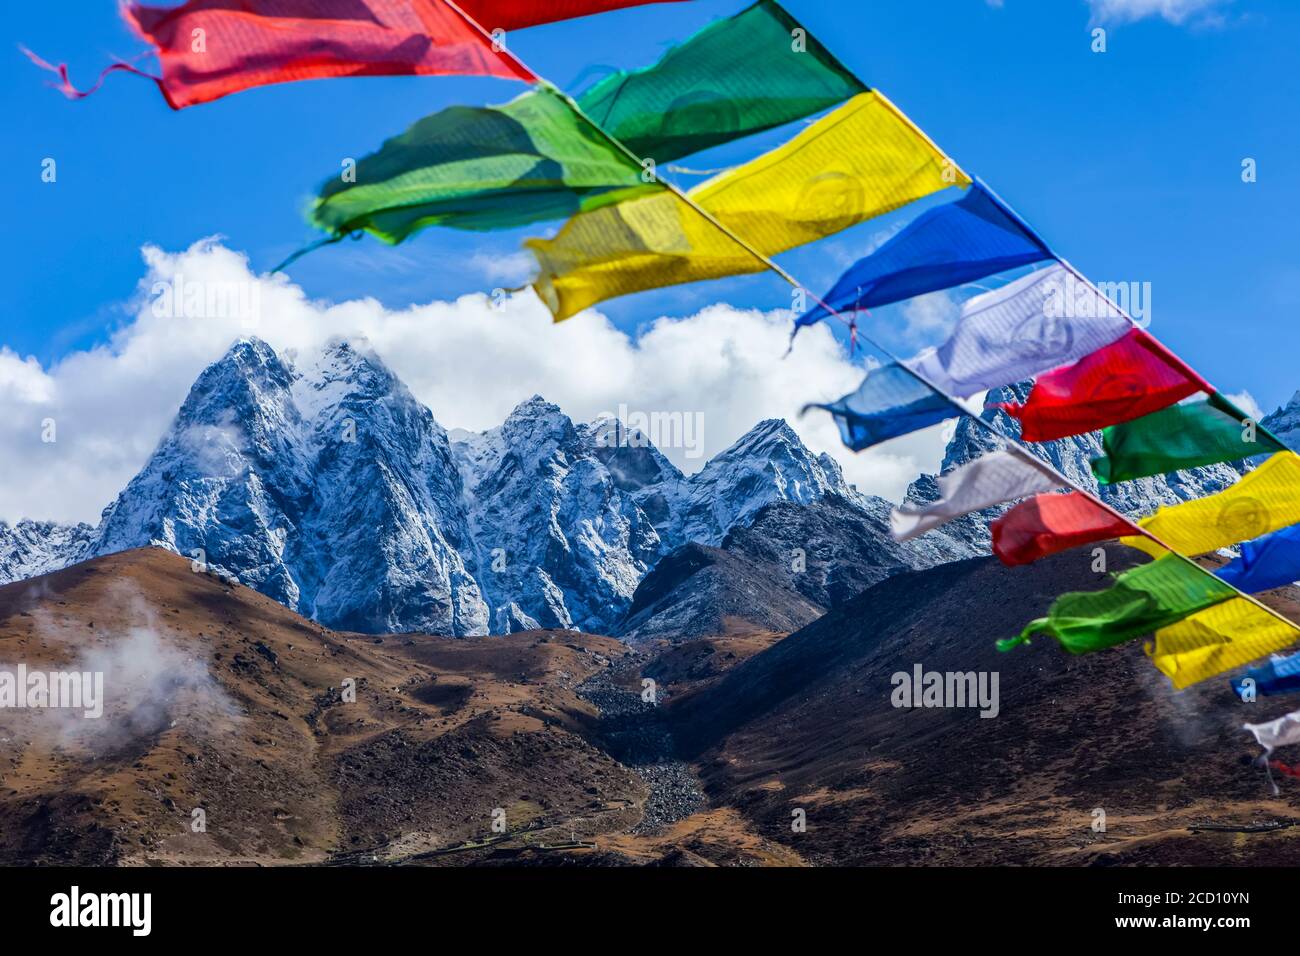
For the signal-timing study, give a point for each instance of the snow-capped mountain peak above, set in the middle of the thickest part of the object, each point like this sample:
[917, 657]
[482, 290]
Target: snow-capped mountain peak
[324, 483]
[768, 463]
[1285, 423]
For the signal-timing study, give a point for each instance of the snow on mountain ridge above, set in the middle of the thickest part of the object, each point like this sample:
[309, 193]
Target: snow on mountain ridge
[343, 515]
[325, 484]
[31, 548]
[322, 482]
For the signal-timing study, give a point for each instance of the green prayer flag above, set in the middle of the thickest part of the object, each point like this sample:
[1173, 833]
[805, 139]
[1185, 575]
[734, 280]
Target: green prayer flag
[479, 168]
[1180, 436]
[755, 71]
[535, 158]
[1140, 601]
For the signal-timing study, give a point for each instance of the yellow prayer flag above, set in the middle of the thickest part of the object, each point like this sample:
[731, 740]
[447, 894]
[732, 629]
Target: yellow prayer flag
[1265, 500]
[1218, 639]
[863, 160]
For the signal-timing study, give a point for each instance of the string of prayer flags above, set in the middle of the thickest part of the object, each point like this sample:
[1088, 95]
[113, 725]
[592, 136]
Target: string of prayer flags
[860, 161]
[952, 244]
[737, 76]
[1217, 640]
[1272, 561]
[1027, 327]
[989, 480]
[1047, 524]
[1141, 600]
[1181, 436]
[891, 401]
[1266, 499]
[1277, 675]
[536, 158]
[1132, 377]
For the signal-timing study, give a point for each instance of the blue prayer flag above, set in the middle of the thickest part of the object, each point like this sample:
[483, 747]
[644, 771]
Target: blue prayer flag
[958, 242]
[1279, 675]
[890, 402]
[1272, 561]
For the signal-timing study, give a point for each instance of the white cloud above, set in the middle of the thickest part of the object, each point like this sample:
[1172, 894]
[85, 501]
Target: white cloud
[469, 362]
[1174, 11]
[1246, 402]
[509, 269]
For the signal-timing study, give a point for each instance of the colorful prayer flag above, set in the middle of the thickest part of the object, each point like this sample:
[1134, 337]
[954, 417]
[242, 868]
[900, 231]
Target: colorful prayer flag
[1272, 561]
[535, 158]
[1181, 436]
[1133, 376]
[517, 14]
[990, 480]
[1218, 639]
[1277, 675]
[1277, 733]
[1046, 524]
[889, 402]
[1265, 500]
[212, 48]
[1039, 322]
[959, 242]
[1140, 601]
[493, 167]
[860, 161]
[737, 76]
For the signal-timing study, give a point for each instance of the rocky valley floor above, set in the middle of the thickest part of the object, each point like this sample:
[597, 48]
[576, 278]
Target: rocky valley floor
[238, 733]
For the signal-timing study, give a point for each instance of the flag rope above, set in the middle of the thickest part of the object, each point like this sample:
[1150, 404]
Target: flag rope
[788, 277]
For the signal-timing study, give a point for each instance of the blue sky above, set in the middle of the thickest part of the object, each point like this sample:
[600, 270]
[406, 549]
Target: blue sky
[1128, 162]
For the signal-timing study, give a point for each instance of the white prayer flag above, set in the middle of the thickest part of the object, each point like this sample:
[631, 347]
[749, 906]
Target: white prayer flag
[987, 481]
[1277, 733]
[1042, 321]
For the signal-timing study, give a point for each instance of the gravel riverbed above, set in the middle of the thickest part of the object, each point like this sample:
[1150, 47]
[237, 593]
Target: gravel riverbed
[634, 734]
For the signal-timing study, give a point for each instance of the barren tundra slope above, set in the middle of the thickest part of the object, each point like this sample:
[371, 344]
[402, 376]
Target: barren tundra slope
[808, 724]
[221, 700]
[231, 737]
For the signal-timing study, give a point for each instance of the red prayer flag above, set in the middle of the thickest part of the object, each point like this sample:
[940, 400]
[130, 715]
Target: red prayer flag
[1131, 377]
[212, 48]
[517, 14]
[1050, 523]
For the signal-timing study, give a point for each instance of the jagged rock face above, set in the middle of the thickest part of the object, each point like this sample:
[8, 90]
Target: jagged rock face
[559, 543]
[791, 563]
[568, 519]
[833, 549]
[700, 590]
[1285, 423]
[639, 469]
[767, 464]
[392, 549]
[332, 491]
[32, 548]
[228, 484]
